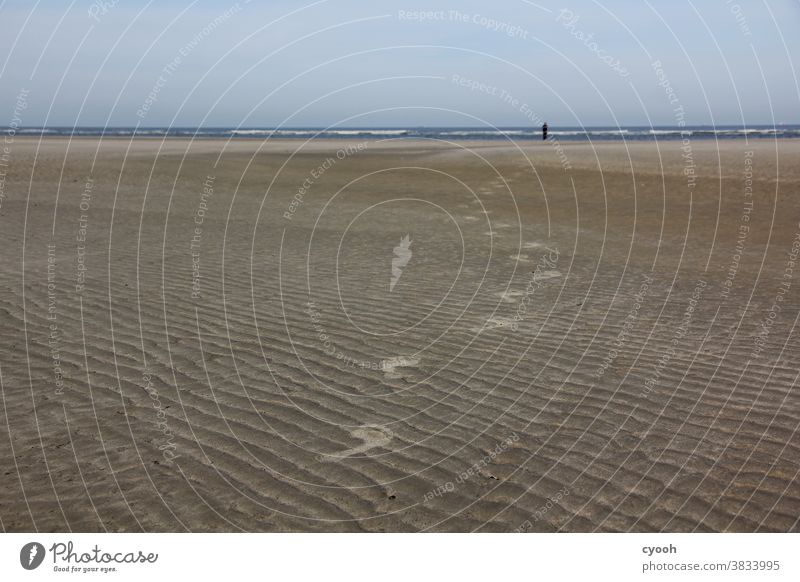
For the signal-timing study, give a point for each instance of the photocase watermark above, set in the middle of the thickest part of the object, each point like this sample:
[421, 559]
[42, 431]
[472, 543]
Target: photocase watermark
[687, 154]
[197, 234]
[8, 140]
[627, 327]
[765, 326]
[69, 560]
[402, 255]
[170, 68]
[743, 230]
[100, 8]
[389, 365]
[679, 334]
[543, 271]
[552, 502]
[741, 20]
[31, 555]
[569, 20]
[473, 470]
[53, 331]
[80, 237]
[523, 108]
[168, 448]
[502, 26]
[317, 173]
[5, 160]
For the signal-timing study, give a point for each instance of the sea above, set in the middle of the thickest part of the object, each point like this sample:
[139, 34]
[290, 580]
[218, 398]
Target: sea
[633, 133]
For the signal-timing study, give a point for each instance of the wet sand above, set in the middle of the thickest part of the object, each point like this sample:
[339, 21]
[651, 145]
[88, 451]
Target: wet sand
[399, 336]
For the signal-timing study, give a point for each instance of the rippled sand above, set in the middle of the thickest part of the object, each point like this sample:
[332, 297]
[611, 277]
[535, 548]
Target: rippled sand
[399, 336]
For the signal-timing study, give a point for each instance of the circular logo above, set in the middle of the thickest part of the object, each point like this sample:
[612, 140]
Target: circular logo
[31, 555]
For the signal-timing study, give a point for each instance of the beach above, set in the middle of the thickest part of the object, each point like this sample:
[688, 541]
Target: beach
[397, 335]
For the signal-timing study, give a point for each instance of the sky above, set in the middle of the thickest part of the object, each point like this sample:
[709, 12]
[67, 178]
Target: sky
[357, 63]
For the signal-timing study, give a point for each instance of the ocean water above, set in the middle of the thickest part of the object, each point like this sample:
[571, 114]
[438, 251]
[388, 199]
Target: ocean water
[434, 133]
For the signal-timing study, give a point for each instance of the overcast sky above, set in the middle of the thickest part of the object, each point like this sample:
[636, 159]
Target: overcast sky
[374, 62]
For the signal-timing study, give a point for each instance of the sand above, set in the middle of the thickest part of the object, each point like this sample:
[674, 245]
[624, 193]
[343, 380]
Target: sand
[399, 336]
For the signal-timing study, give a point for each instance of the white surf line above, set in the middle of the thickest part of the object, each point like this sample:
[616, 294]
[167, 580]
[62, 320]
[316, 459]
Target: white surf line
[374, 436]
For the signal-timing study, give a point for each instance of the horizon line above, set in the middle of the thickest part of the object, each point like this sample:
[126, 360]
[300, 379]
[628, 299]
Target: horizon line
[352, 127]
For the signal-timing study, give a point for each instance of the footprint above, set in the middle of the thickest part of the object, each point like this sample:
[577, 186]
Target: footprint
[510, 296]
[374, 436]
[390, 366]
[543, 275]
[494, 323]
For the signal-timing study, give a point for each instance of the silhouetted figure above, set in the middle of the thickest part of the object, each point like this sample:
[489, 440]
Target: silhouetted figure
[544, 131]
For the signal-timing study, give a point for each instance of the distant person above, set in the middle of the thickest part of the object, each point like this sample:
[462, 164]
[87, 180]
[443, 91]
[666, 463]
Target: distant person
[544, 131]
